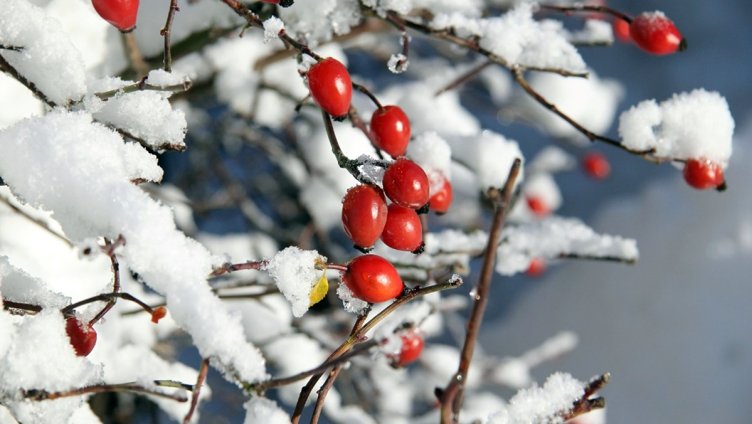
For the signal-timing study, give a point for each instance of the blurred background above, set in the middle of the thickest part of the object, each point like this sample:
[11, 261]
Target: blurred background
[674, 329]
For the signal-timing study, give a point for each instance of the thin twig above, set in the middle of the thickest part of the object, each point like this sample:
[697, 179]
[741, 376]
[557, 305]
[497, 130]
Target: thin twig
[197, 390]
[166, 32]
[13, 72]
[451, 398]
[363, 89]
[230, 267]
[141, 86]
[262, 386]
[356, 336]
[579, 7]
[630, 261]
[465, 77]
[39, 395]
[9, 304]
[43, 224]
[11, 48]
[519, 77]
[323, 391]
[115, 266]
[134, 54]
[106, 297]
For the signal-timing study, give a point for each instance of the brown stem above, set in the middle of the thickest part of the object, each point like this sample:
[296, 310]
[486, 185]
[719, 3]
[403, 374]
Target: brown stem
[451, 398]
[13, 72]
[467, 76]
[323, 391]
[368, 93]
[329, 363]
[106, 297]
[115, 266]
[598, 258]
[519, 77]
[166, 32]
[9, 304]
[343, 161]
[141, 86]
[197, 390]
[44, 225]
[134, 54]
[39, 395]
[249, 265]
[361, 328]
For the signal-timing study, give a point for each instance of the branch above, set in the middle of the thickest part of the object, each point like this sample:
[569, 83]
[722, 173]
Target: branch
[13, 72]
[586, 404]
[40, 395]
[197, 390]
[451, 398]
[166, 32]
[465, 77]
[579, 7]
[142, 85]
[360, 331]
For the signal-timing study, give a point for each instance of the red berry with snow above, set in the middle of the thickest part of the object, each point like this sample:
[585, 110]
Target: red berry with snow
[373, 279]
[536, 268]
[596, 166]
[656, 33]
[537, 206]
[403, 230]
[331, 86]
[412, 346]
[703, 174]
[82, 336]
[442, 199]
[120, 13]
[406, 184]
[391, 130]
[621, 30]
[364, 214]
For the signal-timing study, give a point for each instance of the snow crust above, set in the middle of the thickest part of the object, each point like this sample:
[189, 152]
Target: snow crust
[541, 404]
[697, 124]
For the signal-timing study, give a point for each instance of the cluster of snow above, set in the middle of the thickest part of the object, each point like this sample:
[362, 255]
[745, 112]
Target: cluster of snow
[517, 38]
[48, 59]
[554, 237]
[697, 124]
[262, 410]
[434, 155]
[596, 31]
[81, 172]
[351, 303]
[272, 28]
[541, 404]
[320, 21]
[490, 155]
[295, 273]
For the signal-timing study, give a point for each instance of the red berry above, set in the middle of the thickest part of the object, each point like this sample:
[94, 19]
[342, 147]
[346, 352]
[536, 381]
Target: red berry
[703, 174]
[655, 33]
[406, 184]
[331, 86]
[412, 346]
[537, 206]
[403, 230]
[82, 336]
[391, 130]
[120, 13]
[621, 30]
[442, 199]
[536, 268]
[596, 166]
[373, 279]
[158, 313]
[364, 214]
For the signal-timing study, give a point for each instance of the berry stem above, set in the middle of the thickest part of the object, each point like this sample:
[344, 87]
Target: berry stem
[106, 297]
[452, 396]
[230, 267]
[368, 93]
[109, 249]
[343, 161]
[587, 8]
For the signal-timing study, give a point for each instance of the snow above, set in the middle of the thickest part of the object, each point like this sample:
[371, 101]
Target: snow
[541, 404]
[320, 21]
[294, 271]
[82, 171]
[397, 63]
[24, 104]
[696, 124]
[261, 410]
[433, 154]
[551, 159]
[40, 343]
[146, 115]
[48, 59]
[520, 40]
[489, 155]
[291, 355]
[272, 28]
[351, 303]
[556, 236]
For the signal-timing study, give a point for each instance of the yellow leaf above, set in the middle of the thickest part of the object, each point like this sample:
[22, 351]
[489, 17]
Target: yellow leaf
[319, 290]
